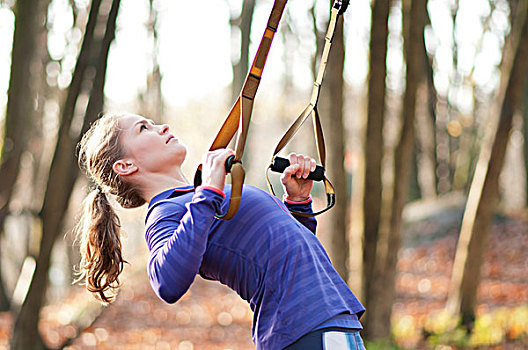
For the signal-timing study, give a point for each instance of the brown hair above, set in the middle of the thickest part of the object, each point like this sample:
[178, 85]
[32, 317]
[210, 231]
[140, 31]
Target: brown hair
[98, 230]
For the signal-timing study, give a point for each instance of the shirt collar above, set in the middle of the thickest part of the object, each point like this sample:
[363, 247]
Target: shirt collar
[171, 193]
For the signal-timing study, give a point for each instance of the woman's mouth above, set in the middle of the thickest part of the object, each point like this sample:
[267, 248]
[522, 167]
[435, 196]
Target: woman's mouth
[171, 137]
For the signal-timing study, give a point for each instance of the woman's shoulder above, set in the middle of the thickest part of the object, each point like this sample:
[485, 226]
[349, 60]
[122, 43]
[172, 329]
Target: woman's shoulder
[165, 209]
[260, 197]
[255, 192]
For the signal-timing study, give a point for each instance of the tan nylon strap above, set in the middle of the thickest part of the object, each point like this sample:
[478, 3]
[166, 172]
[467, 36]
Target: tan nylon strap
[319, 138]
[239, 117]
[311, 109]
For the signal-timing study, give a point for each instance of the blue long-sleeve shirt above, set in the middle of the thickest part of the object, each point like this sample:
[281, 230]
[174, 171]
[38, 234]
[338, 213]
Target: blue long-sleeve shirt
[271, 259]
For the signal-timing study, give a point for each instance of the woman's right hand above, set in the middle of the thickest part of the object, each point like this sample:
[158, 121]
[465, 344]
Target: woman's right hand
[213, 167]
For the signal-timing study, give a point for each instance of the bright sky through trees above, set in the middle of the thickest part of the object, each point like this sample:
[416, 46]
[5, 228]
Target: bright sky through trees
[196, 46]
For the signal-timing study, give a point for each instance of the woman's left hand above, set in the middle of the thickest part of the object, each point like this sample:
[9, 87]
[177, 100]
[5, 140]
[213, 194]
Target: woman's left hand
[296, 186]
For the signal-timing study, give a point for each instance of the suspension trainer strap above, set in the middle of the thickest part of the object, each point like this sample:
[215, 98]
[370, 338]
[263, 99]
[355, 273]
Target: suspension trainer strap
[338, 9]
[240, 115]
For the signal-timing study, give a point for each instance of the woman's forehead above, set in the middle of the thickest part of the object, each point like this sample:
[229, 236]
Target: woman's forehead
[130, 120]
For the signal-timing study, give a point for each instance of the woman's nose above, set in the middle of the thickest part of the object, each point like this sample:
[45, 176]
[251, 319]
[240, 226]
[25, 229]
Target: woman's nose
[164, 129]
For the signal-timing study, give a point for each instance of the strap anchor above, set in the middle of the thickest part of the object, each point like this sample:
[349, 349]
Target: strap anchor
[239, 117]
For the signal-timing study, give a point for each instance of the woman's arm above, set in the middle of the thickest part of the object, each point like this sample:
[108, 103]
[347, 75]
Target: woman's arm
[177, 242]
[297, 187]
[303, 207]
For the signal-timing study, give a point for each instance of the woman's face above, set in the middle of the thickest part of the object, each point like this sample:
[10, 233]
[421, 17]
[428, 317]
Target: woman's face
[150, 147]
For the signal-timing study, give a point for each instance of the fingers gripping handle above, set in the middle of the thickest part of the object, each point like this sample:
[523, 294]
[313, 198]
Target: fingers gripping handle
[237, 172]
[228, 165]
[280, 164]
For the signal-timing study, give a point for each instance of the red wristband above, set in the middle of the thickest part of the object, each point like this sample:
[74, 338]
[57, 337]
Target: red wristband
[306, 201]
[214, 189]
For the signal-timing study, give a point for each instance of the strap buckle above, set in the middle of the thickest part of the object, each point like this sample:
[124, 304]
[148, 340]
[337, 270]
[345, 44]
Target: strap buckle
[341, 6]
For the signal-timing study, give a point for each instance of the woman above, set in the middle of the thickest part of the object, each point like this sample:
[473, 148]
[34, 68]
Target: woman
[271, 259]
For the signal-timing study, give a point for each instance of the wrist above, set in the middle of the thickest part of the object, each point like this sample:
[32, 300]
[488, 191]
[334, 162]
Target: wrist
[212, 188]
[297, 199]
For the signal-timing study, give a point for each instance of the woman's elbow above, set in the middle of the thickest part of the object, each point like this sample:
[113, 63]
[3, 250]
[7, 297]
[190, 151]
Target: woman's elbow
[167, 293]
[164, 288]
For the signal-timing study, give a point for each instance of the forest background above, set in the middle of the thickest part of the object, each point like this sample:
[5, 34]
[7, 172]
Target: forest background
[424, 107]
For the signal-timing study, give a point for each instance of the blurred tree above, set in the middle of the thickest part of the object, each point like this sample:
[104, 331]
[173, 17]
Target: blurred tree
[484, 192]
[414, 19]
[63, 171]
[464, 128]
[432, 101]
[525, 134]
[425, 136]
[242, 24]
[373, 149]
[20, 108]
[414, 185]
[152, 103]
[331, 109]
[446, 110]
[45, 94]
[319, 40]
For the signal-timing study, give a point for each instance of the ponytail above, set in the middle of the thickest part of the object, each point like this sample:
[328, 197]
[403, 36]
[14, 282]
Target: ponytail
[99, 235]
[99, 228]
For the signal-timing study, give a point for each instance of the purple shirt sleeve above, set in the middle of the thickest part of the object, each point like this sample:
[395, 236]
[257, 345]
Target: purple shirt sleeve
[177, 240]
[303, 207]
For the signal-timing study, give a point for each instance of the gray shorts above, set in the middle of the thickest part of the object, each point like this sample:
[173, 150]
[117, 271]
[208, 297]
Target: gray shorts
[329, 339]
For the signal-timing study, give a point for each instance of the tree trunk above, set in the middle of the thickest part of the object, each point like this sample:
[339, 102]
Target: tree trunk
[332, 121]
[319, 41]
[240, 69]
[62, 176]
[5, 303]
[20, 110]
[389, 244]
[525, 133]
[373, 148]
[426, 141]
[432, 103]
[483, 195]
[414, 192]
[152, 104]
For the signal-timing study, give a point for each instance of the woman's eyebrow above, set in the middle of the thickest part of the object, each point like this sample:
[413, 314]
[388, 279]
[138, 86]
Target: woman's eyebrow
[145, 121]
[140, 122]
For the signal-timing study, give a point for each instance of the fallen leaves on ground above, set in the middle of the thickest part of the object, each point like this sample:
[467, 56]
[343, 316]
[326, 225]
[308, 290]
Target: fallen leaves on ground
[210, 316]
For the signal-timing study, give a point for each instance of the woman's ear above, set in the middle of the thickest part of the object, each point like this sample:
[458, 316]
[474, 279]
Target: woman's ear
[124, 167]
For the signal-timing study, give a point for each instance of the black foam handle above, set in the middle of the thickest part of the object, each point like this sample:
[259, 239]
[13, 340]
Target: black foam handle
[280, 164]
[229, 163]
[344, 5]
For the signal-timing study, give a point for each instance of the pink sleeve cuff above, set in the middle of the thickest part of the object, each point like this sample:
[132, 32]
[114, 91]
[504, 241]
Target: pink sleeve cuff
[306, 201]
[214, 189]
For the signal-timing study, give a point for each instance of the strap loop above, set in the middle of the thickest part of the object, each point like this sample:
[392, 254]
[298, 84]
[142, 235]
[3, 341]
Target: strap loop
[239, 117]
[338, 8]
[237, 179]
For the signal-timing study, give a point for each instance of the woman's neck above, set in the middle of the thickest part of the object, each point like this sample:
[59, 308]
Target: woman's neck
[158, 183]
